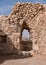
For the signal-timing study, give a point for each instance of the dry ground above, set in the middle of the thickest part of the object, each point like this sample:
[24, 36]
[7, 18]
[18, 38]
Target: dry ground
[15, 60]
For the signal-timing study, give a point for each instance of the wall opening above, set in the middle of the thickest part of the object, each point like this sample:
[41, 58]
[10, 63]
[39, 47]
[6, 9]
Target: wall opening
[25, 42]
[3, 37]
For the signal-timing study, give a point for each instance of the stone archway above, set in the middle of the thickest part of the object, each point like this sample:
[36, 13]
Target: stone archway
[25, 45]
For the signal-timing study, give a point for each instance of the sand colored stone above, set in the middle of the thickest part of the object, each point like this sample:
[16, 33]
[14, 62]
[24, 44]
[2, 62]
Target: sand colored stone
[24, 15]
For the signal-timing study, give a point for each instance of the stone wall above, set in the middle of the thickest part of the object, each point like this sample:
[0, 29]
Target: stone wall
[25, 15]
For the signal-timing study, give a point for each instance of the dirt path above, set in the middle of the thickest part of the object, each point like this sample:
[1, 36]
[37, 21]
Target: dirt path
[13, 60]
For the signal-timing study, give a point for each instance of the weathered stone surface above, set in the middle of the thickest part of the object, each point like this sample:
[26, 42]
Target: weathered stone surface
[28, 15]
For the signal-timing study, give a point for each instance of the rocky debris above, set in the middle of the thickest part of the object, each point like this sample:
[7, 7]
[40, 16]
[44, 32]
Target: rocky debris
[24, 54]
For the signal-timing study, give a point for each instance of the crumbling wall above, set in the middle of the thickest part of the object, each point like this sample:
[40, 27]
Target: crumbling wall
[34, 15]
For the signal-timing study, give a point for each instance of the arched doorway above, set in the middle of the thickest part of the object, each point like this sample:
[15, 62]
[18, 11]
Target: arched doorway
[25, 42]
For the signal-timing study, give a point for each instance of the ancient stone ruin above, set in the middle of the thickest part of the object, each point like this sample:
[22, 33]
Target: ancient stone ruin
[29, 16]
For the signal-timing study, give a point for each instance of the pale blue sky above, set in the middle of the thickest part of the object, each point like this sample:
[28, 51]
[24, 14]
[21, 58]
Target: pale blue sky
[25, 35]
[6, 5]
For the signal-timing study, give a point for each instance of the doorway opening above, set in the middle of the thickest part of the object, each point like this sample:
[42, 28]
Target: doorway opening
[25, 42]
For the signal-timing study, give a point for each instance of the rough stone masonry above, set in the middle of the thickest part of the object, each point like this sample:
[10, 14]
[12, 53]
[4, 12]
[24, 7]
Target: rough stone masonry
[24, 15]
